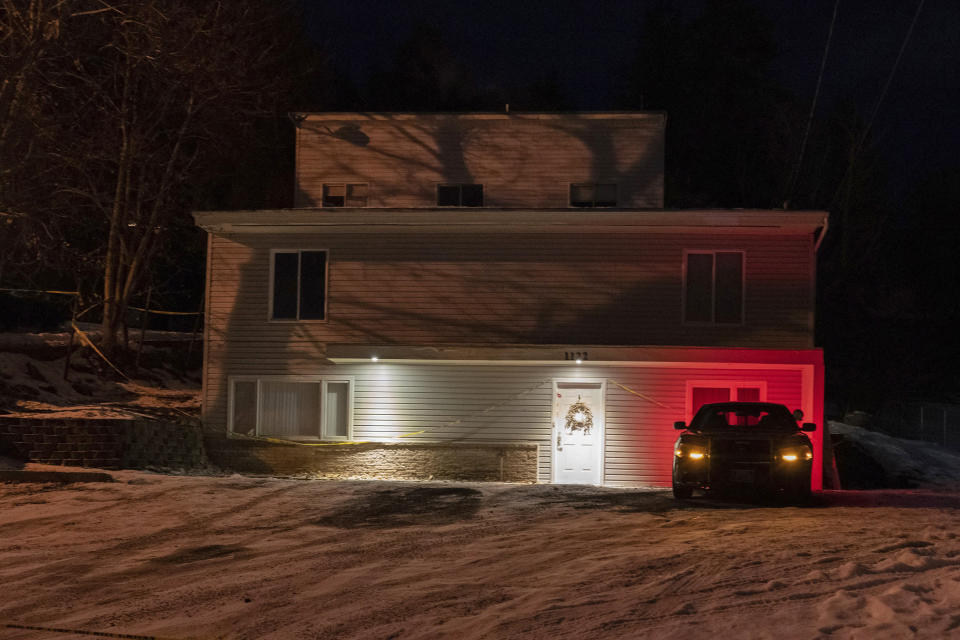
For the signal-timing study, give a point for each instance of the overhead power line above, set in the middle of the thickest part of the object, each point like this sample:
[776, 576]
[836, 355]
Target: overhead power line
[883, 94]
[794, 175]
[893, 71]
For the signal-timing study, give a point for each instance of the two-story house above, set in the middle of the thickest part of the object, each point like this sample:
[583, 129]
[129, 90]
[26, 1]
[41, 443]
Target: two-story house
[490, 279]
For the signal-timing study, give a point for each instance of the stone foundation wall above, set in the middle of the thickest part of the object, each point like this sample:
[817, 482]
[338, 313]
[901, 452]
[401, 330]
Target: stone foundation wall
[393, 461]
[103, 443]
[135, 444]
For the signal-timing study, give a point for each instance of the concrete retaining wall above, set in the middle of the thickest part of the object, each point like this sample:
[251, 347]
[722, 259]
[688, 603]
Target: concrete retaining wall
[514, 462]
[103, 443]
[134, 444]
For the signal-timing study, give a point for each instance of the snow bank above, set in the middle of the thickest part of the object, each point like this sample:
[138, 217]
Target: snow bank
[904, 463]
[32, 380]
[27, 339]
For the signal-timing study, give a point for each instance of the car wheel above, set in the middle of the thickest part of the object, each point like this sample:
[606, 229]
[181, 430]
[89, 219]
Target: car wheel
[682, 493]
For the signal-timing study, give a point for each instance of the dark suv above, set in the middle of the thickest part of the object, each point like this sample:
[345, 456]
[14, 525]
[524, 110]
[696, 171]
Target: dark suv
[757, 446]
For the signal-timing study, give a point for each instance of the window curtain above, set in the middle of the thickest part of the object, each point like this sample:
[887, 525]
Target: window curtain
[290, 408]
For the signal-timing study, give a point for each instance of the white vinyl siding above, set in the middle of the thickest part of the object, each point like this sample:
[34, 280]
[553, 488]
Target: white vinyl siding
[460, 404]
[522, 161]
[446, 288]
[524, 288]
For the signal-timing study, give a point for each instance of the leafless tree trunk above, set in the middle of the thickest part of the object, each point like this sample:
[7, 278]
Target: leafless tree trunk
[127, 101]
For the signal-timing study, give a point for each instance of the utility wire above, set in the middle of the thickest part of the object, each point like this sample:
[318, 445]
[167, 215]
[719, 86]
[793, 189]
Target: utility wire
[795, 174]
[883, 94]
[893, 71]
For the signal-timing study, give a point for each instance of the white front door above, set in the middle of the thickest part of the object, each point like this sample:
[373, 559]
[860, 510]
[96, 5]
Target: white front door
[578, 422]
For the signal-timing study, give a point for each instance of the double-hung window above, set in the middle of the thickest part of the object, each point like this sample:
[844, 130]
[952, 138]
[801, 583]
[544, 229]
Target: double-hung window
[459, 195]
[296, 407]
[593, 194]
[298, 281]
[701, 392]
[713, 287]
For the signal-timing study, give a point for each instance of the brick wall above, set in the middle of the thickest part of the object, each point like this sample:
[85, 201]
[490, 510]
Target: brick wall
[395, 461]
[103, 443]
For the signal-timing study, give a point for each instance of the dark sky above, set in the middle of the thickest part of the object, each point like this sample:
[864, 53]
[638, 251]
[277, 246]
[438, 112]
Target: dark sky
[586, 46]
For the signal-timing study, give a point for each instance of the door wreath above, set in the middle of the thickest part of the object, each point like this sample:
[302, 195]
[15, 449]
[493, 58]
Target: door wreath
[579, 417]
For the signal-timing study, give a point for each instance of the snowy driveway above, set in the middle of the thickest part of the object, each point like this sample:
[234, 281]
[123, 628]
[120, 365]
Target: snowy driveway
[239, 557]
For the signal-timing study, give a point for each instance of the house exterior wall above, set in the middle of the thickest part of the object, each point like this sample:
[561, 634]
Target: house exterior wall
[469, 288]
[459, 403]
[524, 271]
[522, 160]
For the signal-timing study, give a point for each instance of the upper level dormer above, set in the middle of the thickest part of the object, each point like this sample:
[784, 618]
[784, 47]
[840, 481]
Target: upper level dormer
[495, 160]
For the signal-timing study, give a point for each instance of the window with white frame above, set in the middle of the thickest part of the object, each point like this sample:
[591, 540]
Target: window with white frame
[345, 194]
[593, 194]
[713, 287]
[298, 283]
[293, 407]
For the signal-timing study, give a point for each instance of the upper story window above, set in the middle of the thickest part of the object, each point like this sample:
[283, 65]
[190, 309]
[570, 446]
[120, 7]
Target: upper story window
[713, 287]
[459, 195]
[593, 194]
[345, 194]
[298, 285]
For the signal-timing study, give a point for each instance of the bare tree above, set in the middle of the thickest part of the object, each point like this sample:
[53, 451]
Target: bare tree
[126, 108]
[29, 34]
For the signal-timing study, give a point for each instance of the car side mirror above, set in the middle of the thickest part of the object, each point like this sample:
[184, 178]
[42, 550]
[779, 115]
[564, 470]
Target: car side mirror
[798, 414]
[808, 427]
[680, 424]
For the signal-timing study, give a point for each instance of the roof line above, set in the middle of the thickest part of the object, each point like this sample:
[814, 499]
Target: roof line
[562, 221]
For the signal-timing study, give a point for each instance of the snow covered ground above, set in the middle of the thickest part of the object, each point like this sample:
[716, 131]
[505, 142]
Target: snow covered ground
[32, 378]
[243, 557]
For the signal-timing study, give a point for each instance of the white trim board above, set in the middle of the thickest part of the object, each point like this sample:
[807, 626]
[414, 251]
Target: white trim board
[493, 220]
[584, 364]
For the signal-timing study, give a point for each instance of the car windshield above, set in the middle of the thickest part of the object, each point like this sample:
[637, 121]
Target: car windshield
[736, 415]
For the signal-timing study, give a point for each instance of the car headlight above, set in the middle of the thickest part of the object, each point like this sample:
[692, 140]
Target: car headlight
[794, 454]
[691, 452]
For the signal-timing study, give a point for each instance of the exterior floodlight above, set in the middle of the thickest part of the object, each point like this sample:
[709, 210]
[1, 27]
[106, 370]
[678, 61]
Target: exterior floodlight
[579, 361]
[374, 358]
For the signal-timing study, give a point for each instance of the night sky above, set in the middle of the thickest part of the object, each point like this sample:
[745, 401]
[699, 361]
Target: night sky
[588, 46]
